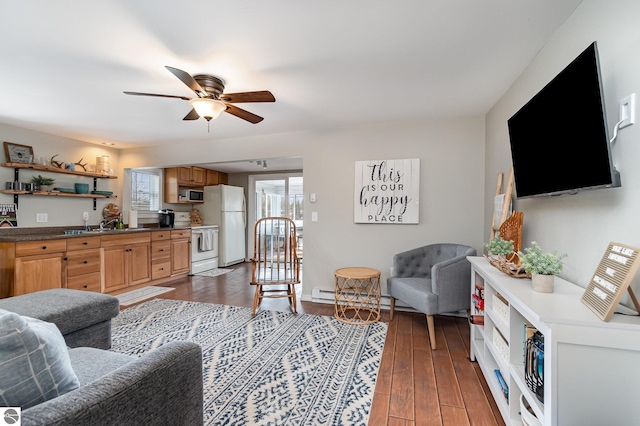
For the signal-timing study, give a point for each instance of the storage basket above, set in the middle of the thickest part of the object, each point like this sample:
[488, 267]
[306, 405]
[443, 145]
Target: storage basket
[500, 307]
[526, 413]
[501, 345]
[534, 365]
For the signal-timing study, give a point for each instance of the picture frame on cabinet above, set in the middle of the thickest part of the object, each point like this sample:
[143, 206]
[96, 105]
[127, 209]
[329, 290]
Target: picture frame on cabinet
[16, 153]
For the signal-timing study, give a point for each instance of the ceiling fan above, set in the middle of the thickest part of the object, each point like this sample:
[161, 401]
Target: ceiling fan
[211, 100]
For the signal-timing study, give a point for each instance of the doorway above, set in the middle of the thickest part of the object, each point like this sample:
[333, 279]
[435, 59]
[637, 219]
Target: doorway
[279, 195]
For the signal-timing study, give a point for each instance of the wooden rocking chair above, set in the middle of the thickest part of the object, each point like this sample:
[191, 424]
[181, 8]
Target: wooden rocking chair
[275, 262]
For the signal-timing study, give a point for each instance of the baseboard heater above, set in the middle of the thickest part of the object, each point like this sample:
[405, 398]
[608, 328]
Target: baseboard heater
[321, 295]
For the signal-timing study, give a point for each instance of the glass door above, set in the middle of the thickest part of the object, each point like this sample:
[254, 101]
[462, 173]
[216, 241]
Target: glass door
[278, 195]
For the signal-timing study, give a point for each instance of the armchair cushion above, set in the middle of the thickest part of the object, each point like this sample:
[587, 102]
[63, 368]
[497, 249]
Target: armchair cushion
[415, 291]
[34, 362]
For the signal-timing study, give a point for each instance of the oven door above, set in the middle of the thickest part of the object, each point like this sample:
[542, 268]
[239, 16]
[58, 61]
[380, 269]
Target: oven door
[204, 244]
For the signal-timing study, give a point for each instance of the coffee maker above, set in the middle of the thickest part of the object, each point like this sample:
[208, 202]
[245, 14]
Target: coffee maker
[167, 217]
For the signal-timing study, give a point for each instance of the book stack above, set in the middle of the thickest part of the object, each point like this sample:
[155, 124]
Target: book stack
[478, 299]
[502, 383]
[478, 306]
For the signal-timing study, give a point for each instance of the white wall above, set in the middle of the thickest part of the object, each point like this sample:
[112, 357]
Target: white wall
[581, 225]
[61, 211]
[451, 199]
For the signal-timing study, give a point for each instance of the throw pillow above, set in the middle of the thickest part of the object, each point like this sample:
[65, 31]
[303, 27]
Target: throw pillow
[34, 362]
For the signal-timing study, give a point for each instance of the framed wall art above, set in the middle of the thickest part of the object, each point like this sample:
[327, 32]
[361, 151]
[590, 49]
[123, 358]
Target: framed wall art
[16, 153]
[387, 191]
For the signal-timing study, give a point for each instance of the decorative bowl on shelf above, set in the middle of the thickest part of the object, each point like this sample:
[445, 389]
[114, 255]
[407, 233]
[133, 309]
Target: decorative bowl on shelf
[82, 188]
[508, 267]
[65, 190]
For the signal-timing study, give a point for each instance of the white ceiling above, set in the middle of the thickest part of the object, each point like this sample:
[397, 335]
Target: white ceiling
[329, 64]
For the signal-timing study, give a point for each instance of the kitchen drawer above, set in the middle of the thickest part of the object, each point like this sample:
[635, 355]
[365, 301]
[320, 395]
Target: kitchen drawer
[160, 268]
[160, 250]
[181, 233]
[83, 262]
[30, 248]
[125, 239]
[88, 282]
[83, 243]
[160, 235]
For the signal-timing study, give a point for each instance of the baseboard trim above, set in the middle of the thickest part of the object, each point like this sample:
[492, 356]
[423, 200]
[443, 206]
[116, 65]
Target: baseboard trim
[321, 295]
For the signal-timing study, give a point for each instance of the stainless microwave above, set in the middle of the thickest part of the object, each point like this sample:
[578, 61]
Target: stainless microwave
[191, 195]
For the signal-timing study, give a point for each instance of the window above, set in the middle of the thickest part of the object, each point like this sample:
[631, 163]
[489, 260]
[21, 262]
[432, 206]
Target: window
[145, 190]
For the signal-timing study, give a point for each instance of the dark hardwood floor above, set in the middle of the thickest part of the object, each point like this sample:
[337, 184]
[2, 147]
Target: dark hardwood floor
[415, 386]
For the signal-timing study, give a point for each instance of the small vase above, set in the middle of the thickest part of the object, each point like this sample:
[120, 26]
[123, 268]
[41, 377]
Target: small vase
[542, 283]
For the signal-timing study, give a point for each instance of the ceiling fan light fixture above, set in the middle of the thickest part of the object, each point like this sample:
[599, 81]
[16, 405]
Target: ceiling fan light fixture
[208, 108]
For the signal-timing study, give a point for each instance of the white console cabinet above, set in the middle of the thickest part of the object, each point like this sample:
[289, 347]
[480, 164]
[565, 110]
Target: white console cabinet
[591, 367]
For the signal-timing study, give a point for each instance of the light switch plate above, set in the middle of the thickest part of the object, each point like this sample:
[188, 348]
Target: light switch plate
[627, 111]
[314, 216]
[42, 217]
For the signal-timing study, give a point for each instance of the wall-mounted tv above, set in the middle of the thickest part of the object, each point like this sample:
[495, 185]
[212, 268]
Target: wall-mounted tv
[559, 139]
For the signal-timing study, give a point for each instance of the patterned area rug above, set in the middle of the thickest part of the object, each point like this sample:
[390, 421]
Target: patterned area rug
[276, 368]
[214, 272]
[135, 296]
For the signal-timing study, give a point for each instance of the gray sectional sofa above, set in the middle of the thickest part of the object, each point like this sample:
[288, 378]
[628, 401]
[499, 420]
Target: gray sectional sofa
[163, 387]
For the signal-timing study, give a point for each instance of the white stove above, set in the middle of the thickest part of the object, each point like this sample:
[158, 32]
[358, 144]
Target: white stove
[204, 248]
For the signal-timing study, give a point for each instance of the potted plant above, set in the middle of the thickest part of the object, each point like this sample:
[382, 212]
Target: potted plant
[42, 183]
[499, 246]
[542, 266]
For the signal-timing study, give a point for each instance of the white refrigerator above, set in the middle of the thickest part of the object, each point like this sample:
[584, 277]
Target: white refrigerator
[224, 206]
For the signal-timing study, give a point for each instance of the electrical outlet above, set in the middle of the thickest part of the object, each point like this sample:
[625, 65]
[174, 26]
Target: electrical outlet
[42, 217]
[391, 270]
[314, 216]
[85, 215]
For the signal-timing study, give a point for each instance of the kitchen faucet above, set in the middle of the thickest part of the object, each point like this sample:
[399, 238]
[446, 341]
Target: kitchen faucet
[106, 223]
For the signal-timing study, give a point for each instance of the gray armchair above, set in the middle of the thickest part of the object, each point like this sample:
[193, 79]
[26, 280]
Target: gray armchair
[433, 279]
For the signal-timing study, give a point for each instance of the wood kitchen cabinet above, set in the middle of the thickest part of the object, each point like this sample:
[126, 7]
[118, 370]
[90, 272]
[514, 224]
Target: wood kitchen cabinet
[39, 265]
[180, 251]
[191, 175]
[84, 264]
[160, 254]
[127, 260]
[111, 262]
[213, 178]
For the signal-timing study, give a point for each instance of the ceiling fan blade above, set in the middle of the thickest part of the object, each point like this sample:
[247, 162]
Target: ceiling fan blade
[155, 94]
[193, 115]
[245, 115]
[261, 96]
[188, 80]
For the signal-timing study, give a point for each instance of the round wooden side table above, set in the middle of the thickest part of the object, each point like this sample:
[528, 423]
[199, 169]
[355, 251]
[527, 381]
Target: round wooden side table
[357, 295]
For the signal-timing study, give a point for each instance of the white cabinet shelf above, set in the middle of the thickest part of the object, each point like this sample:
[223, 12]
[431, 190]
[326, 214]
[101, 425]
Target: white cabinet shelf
[590, 366]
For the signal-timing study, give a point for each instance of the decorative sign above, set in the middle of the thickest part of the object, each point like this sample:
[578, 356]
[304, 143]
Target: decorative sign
[8, 215]
[611, 279]
[387, 191]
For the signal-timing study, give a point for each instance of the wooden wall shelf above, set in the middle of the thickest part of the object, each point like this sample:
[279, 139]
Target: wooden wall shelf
[58, 170]
[19, 166]
[56, 194]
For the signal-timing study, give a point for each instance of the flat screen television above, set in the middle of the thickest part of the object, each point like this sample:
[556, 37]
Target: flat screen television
[559, 139]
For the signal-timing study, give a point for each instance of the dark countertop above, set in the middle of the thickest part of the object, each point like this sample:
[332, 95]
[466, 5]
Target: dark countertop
[58, 232]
